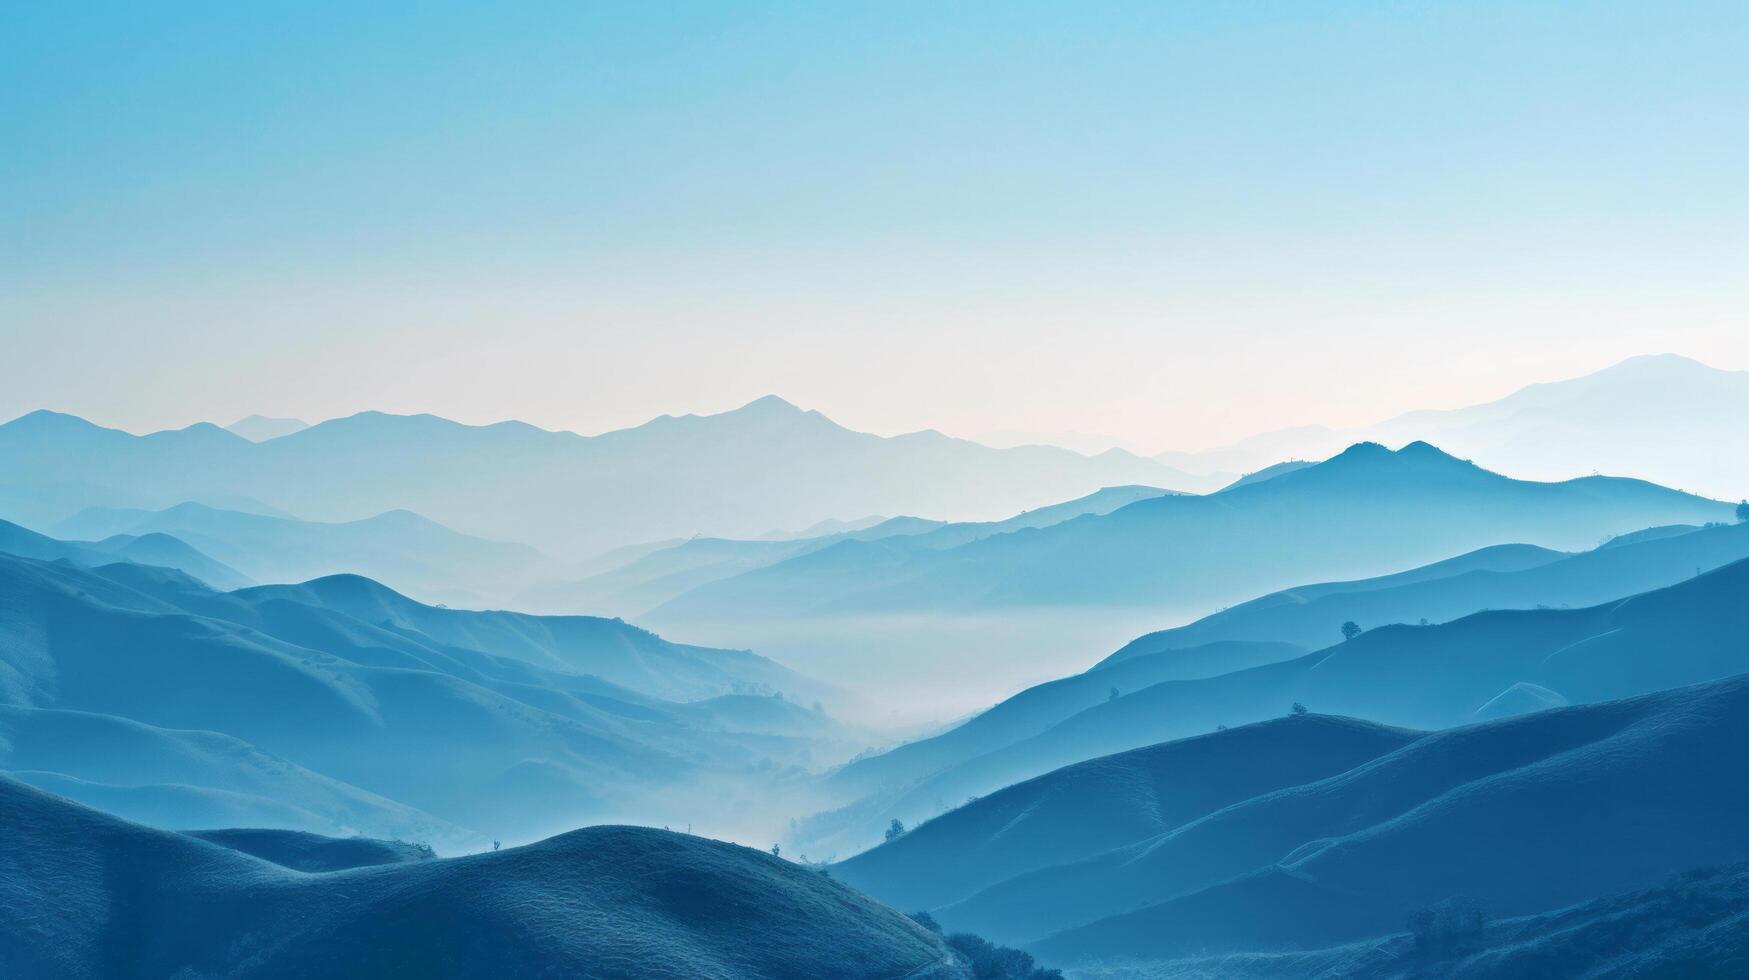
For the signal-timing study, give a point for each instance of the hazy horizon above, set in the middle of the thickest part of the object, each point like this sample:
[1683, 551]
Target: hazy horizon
[1086, 443]
[1170, 227]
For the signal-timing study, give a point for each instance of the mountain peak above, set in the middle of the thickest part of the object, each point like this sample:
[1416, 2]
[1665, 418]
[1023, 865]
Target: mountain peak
[770, 405]
[45, 420]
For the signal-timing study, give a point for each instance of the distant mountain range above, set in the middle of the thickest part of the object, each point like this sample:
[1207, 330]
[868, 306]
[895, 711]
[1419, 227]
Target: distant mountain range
[1361, 512]
[653, 576]
[150, 548]
[738, 474]
[88, 895]
[339, 705]
[1311, 831]
[1659, 417]
[411, 553]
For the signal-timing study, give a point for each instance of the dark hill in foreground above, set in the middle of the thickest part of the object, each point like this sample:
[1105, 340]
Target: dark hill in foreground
[83, 894]
[1695, 924]
[1525, 815]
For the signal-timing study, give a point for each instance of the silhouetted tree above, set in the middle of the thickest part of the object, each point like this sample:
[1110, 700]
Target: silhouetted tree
[1298, 708]
[927, 921]
[1743, 512]
[1350, 630]
[776, 851]
[895, 830]
[992, 962]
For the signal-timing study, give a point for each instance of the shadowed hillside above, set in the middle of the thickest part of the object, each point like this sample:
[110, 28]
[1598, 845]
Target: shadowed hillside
[336, 678]
[1363, 511]
[1500, 577]
[85, 894]
[1416, 676]
[400, 548]
[145, 549]
[1524, 815]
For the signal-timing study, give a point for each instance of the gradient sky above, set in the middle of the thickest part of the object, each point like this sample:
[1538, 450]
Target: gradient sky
[1178, 223]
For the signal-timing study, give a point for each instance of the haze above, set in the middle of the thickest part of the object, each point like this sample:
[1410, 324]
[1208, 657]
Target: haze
[1167, 227]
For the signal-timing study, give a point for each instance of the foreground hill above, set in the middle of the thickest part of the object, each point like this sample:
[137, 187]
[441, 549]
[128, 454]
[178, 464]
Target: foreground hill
[415, 555]
[1694, 924]
[85, 894]
[1094, 806]
[1359, 513]
[496, 723]
[1524, 815]
[1416, 676]
[736, 474]
[302, 851]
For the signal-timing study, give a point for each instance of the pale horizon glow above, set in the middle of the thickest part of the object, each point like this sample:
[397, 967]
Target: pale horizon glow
[1172, 227]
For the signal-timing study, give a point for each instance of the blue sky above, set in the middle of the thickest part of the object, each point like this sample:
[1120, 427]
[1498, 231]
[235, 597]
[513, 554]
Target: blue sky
[1176, 223]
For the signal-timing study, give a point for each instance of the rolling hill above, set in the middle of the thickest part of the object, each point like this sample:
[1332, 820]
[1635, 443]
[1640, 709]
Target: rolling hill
[517, 733]
[657, 576]
[418, 556]
[1191, 850]
[1480, 666]
[142, 549]
[1692, 925]
[86, 894]
[1286, 624]
[1500, 577]
[1362, 512]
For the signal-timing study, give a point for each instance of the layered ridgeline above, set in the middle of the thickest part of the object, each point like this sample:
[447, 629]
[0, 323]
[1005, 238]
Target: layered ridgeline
[150, 548]
[1483, 665]
[1311, 831]
[1662, 417]
[1365, 511]
[85, 894]
[414, 555]
[340, 706]
[738, 474]
[652, 576]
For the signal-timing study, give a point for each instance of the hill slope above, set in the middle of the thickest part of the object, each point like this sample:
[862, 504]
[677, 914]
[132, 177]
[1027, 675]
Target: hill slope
[161, 550]
[1363, 511]
[477, 738]
[660, 575]
[1499, 577]
[88, 895]
[1524, 815]
[1416, 676]
[407, 551]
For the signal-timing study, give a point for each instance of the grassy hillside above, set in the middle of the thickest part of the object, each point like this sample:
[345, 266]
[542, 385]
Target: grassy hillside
[478, 740]
[1415, 676]
[85, 894]
[1500, 577]
[1524, 815]
[1085, 809]
[1359, 513]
